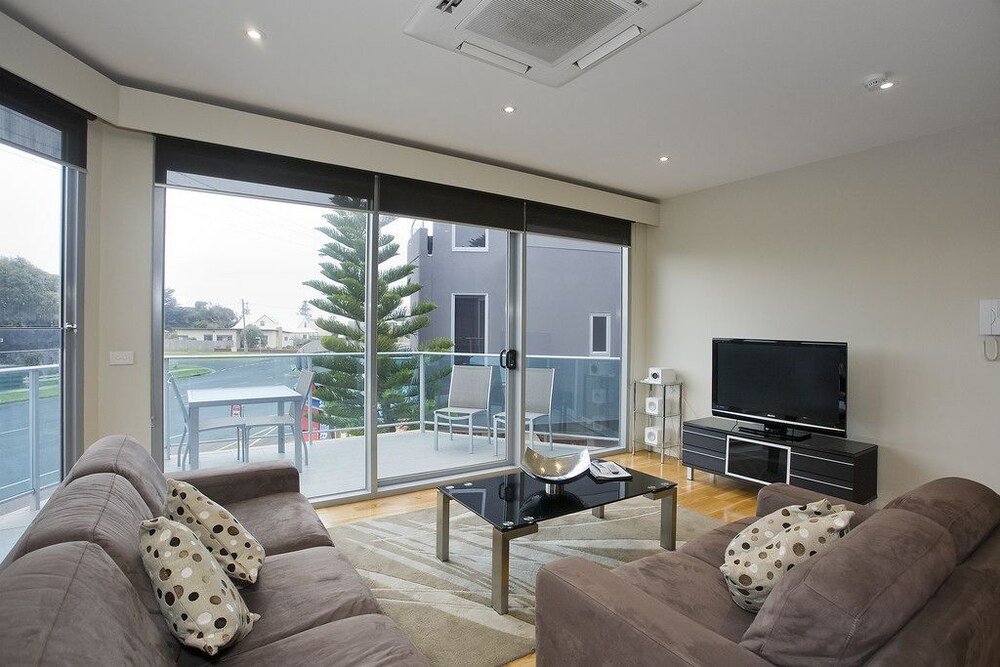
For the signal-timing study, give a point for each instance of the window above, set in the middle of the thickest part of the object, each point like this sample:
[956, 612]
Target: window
[600, 333]
[469, 239]
[469, 323]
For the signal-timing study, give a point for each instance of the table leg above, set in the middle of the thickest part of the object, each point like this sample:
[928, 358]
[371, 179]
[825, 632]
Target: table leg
[599, 512]
[443, 511]
[193, 432]
[297, 434]
[668, 520]
[501, 564]
[690, 473]
[281, 429]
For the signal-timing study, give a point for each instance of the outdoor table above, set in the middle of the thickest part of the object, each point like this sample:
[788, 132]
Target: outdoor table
[206, 398]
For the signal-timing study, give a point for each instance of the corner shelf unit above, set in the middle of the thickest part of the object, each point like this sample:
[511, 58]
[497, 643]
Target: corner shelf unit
[669, 418]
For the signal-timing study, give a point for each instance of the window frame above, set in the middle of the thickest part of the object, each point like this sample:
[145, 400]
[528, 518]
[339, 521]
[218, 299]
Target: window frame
[457, 248]
[486, 319]
[607, 335]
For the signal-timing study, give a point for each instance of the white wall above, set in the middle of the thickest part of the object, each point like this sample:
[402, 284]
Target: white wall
[889, 250]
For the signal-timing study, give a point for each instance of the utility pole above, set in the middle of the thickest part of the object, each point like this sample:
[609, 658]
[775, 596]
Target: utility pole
[244, 309]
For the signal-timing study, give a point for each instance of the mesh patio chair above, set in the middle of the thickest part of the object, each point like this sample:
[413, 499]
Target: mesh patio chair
[212, 424]
[468, 395]
[538, 384]
[293, 418]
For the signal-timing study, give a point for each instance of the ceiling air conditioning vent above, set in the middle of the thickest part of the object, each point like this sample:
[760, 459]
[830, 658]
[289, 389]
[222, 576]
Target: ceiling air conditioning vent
[549, 41]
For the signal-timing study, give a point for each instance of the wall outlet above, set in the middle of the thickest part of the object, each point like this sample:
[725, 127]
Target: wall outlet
[122, 358]
[989, 317]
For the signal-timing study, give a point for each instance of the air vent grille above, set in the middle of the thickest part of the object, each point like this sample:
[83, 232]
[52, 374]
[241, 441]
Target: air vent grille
[546, 29]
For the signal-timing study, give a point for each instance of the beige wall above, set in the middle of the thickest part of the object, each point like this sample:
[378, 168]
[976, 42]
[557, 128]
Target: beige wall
[118, 282]
[889, 250]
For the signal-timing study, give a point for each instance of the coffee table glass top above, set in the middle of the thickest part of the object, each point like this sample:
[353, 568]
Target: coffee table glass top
[516, 500]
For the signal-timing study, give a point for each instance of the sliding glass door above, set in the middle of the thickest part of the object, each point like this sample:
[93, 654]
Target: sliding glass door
[576, 338]
[38, 207]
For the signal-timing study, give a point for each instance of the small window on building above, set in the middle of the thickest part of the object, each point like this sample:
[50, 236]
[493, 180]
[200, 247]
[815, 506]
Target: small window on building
[206, 336]
[469, 323]
[225, 337]
[600, 333]
[469, 239]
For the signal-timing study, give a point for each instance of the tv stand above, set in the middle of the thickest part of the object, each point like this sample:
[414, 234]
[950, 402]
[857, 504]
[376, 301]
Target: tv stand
[783, 434]
[835, 467]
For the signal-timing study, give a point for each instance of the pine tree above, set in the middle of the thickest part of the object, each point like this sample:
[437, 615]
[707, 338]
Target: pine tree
[340, 379]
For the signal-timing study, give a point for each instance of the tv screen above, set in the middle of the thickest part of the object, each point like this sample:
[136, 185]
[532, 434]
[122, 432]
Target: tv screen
[781, 384]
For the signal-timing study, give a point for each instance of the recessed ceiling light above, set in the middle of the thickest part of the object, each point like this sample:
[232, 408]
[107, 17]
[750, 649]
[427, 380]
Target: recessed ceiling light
[254, 34]
[664, 158]
[879, 82]
[509, 109]
[886, 85]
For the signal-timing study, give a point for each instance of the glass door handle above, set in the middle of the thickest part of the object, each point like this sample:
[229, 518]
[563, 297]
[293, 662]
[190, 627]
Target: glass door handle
[508, 359]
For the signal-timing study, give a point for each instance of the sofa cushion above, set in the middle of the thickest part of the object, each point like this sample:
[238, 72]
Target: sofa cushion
[282, 522]
[761, 531]
[841, 606]
[202, 607]
[69, 604]
[692, 587]
[966, 509]
[103, 508]
[752, 574]
[304, 589]
[237, 551]
[124, 456]
[372, 640]
[711, 546]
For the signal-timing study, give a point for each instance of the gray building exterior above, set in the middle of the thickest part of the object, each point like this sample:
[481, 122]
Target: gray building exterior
[570, 285]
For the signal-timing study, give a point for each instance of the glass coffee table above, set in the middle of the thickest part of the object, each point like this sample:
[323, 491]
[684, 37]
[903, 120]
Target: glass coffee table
[515, 504]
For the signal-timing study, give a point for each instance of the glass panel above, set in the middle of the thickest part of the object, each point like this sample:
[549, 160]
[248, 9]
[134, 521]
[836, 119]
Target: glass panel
[259, 294]
[468, 238]
[574, 328]
[440, 311]
[31, 234]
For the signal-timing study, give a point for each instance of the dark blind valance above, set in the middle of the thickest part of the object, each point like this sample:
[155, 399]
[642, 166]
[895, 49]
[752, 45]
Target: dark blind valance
[433, 201]
[559, 221]
[38, 121]
[243, 171]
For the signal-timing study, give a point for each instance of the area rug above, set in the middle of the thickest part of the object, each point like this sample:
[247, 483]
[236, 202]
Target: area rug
[445, 607]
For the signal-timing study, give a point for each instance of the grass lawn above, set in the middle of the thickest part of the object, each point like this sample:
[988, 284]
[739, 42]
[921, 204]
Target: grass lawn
[181, 372]
[48, 389]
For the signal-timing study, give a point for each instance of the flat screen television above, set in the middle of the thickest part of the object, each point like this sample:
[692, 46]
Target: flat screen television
[791, 387]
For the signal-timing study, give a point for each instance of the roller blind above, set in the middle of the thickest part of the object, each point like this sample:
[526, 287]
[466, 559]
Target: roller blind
[36, 120]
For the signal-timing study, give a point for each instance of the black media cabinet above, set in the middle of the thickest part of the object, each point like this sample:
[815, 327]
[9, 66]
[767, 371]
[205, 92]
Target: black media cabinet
[833, 466]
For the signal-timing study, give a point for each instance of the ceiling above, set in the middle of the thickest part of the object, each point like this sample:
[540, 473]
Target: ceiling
[731, 90]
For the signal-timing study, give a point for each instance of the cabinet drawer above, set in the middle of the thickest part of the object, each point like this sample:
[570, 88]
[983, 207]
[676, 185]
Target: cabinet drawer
[711, 443]
[703, 461]
[832, 489]
[831, 469]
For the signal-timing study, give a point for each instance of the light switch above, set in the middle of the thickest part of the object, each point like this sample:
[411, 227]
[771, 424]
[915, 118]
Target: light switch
[989, 317]
[122, 358]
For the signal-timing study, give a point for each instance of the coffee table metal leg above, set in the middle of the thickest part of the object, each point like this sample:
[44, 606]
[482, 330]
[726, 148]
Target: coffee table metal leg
[443, 511]
[501, 564]
[599, 512]
[668, 516]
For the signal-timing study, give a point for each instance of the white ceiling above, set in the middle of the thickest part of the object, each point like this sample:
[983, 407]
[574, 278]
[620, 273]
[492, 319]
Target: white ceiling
[734, 89]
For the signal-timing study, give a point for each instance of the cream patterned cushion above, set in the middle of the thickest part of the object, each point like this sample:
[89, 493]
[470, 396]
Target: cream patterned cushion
[763, 529]
[235, 549]
[201, 606]
[752, 574]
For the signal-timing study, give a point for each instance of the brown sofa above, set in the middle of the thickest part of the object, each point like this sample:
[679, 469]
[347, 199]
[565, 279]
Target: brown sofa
[73, 589]
[915, 583]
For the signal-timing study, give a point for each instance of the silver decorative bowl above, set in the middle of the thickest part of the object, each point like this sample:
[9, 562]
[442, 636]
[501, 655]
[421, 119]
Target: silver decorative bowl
[555, 470]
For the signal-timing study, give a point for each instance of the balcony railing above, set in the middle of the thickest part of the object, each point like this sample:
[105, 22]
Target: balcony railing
[30, 433]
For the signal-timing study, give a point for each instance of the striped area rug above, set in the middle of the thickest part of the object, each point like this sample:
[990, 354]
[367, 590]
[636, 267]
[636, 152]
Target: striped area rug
[445, 607]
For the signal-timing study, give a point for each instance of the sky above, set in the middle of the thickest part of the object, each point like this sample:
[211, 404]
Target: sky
[223, 248]
[30, 209]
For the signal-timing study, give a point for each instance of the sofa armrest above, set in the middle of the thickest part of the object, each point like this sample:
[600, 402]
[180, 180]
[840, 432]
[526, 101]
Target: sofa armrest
[775, 496]
[585, 615]
[236, 483]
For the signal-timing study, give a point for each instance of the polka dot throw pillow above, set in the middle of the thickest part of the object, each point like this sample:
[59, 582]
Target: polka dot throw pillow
[201, 606]
[751, 575]
[236, 550]
[763, 529]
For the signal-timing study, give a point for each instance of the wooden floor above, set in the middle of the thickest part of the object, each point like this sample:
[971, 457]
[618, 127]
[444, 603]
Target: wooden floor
[718, 497]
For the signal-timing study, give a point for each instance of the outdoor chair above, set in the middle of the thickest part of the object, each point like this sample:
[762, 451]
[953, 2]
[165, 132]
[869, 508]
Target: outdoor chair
[538, 384]
[212, 424]
[293, 418]
[468, 395]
